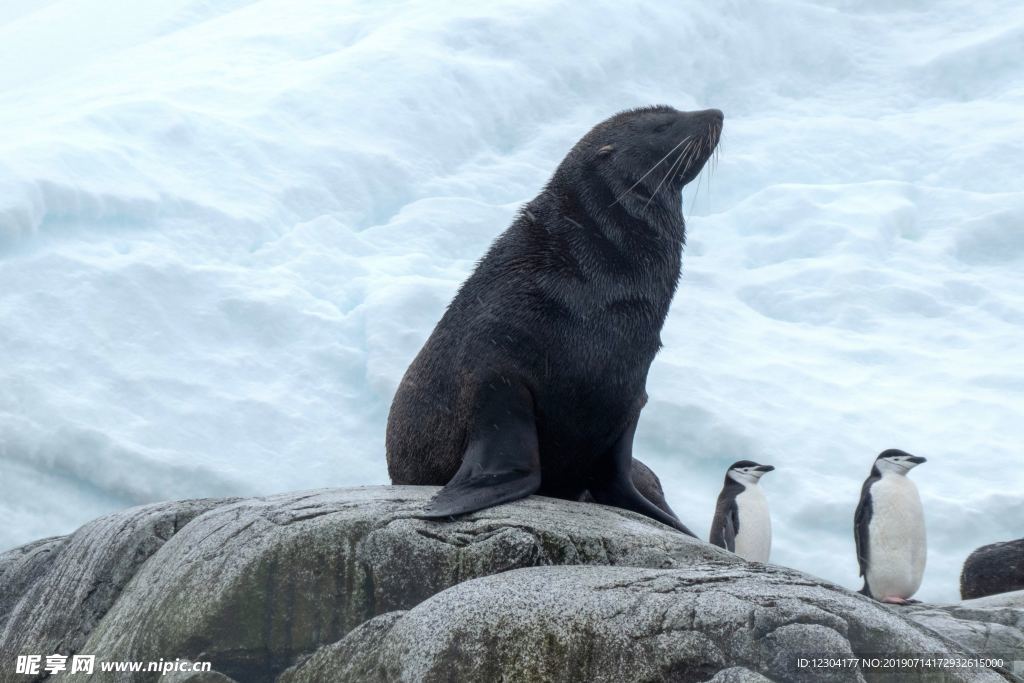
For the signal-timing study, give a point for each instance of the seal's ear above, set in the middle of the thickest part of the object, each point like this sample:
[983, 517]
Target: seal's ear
[606, 150]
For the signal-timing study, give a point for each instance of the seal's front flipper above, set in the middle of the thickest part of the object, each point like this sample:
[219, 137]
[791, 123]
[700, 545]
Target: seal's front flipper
[479, 490]
[502, 459]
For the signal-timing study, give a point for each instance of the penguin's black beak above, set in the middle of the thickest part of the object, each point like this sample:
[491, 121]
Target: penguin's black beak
[917, 459]
[765, 468]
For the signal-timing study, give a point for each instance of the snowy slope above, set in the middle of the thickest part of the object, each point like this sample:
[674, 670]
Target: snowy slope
[226, 228]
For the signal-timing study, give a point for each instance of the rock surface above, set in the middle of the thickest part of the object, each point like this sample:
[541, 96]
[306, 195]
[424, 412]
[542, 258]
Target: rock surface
[251, 584]
[991, 626]
[20, 569]
[193, 677]
[992, 569]
[348, 584]
[55, 591]
[746, 622]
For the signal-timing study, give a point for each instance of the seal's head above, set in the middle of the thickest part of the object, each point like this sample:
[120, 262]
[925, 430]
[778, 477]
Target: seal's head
[653, 150]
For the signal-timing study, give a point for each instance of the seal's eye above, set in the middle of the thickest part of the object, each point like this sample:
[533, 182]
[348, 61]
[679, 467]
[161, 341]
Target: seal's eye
[606, 150]
[662, 127]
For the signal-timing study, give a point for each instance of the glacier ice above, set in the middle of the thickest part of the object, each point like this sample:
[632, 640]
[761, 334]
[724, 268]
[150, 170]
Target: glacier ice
[226, 228]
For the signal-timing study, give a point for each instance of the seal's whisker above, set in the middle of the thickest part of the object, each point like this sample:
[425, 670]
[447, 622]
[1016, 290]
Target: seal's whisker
[718, 148]
[671, 170]
[666, 177]
[696, 194]
[650, 171]
[692, 155]
[685, 155]
[711, 147]
[704, 148]
[680, 160]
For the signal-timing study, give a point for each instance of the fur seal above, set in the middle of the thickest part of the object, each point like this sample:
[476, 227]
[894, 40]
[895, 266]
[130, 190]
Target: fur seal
[534, 378]
[993, 569]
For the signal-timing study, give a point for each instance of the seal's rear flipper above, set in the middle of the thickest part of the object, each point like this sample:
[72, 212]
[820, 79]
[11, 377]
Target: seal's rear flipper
[648, 484]
[612, 482]
[502, 460]
[622, 494]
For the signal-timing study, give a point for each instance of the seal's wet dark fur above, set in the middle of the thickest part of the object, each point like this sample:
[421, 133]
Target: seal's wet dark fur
[533, 380]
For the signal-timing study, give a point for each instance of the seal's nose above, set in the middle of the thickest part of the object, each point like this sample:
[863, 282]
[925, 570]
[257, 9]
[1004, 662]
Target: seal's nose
[715, 114]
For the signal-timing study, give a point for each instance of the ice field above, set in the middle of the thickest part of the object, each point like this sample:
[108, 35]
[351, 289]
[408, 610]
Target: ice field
[227, 227]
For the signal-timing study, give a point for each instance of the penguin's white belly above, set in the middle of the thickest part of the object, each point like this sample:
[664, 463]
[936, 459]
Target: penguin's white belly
[754, 539]
[897, 544]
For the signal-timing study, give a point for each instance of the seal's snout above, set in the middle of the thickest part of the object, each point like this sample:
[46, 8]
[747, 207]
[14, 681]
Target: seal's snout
[714, 120]
[708, 122]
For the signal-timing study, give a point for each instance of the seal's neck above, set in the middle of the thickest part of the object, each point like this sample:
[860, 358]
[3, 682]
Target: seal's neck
[643, 228]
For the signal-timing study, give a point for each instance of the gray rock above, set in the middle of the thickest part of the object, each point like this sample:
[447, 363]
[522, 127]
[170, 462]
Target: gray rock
[738, 674]
[349, 584]
[196, 677]
[1011, 600]
[252, 585]
[990, 627]
[61, 588]
[21, 568]
[740, 622]
[992, 569]
[354, 658]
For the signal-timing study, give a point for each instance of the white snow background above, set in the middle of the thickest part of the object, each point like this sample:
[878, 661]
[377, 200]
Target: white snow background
[227, 227]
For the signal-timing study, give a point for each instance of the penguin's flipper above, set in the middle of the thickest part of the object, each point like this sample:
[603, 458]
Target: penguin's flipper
[861, 523]
[726, 524]
[502, 458]
[861, 520]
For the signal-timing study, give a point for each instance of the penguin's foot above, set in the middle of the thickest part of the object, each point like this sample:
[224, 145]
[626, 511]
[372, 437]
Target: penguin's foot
[897, 600]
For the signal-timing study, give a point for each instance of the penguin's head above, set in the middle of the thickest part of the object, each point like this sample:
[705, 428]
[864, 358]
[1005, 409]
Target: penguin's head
[746, 472]
[897, 461]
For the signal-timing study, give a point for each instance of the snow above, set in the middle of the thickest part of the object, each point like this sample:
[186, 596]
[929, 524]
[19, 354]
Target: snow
[226, 228]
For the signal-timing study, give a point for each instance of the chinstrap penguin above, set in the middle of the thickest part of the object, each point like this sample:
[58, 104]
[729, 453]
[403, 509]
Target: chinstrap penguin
[888, 528]
[742, 523]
